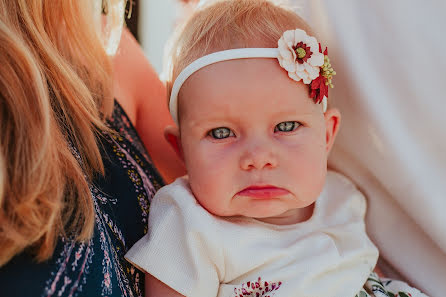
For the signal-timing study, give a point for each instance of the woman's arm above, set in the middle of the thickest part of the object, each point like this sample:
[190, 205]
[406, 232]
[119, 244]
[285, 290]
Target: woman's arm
[143, 96]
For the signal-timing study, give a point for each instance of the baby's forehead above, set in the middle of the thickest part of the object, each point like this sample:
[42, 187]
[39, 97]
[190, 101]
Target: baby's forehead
[243, 84]
[242, 77]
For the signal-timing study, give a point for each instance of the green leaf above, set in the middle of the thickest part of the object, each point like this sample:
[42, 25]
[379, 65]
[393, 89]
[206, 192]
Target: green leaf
[363, 294]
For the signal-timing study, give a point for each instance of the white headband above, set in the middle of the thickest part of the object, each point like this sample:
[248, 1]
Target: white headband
[232, 54]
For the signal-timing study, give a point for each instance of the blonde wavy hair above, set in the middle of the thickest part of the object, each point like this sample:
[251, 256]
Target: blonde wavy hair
[55, 92]
[228, 24]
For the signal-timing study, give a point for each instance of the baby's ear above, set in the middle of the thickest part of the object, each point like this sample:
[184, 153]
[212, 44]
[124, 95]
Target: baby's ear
[332, 123]
[172, 135]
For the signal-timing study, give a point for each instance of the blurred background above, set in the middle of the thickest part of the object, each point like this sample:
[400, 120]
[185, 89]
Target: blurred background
[151, 23]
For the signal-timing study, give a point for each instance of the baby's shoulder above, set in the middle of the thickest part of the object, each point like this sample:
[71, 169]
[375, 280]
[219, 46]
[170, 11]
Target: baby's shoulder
[337, 180]
[341, 193]
[339, 185]
[177, 201]
[178, 191]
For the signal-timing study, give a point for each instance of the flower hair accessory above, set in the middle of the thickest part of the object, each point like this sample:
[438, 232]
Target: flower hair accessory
[299, 54]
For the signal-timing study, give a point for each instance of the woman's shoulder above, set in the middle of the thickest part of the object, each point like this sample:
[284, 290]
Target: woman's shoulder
[142, 95]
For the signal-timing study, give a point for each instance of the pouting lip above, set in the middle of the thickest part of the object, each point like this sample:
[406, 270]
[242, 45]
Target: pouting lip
[263, 191]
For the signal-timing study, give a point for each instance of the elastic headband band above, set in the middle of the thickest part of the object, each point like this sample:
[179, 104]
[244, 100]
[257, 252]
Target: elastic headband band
[232, 54]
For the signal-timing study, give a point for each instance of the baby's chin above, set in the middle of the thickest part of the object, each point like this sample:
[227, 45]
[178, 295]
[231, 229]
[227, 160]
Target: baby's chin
[259, 209]
[291, 216]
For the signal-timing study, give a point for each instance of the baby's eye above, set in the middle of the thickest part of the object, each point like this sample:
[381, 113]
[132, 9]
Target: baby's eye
[286, 126]
[221, 133]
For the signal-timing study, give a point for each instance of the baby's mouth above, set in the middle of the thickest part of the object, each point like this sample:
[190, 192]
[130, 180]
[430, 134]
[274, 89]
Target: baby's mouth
[263, 192]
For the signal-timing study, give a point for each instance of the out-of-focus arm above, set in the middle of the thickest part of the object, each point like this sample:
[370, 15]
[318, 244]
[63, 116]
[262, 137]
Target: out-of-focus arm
[143, 96]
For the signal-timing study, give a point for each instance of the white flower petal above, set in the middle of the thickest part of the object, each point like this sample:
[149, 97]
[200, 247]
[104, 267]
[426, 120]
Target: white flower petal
[299, 35]
[281, 43]
[306, 80]
[288, 37]
[289, 65]
[304, 75]
[313, 72]
[291, 50]
[280, 59]
[285, 55]
[300, 67]
[293, 76]
[313, 44]
[316, 59]
[293, 54]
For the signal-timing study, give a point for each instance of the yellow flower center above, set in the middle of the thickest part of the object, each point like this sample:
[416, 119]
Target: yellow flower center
[328, 71]
[301, 53]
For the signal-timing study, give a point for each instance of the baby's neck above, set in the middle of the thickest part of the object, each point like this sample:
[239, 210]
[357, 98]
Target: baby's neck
[290, 217]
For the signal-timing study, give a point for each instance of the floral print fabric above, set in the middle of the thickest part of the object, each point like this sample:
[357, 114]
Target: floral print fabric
[121, 200]
[376, 287]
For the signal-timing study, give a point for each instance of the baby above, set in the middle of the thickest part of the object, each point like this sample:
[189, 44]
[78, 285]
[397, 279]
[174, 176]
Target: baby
[258, 213]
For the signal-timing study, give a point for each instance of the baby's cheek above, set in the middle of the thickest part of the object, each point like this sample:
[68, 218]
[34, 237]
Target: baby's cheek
[202, 184]
[209, 199]
[309, 170]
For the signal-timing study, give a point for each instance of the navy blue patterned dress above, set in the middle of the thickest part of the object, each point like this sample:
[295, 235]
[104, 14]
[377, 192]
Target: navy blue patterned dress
[121, 200]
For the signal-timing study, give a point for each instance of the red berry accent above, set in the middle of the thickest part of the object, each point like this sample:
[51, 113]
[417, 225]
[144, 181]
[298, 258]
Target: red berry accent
[318, 89]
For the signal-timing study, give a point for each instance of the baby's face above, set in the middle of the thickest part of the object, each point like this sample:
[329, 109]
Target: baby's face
[253, 141]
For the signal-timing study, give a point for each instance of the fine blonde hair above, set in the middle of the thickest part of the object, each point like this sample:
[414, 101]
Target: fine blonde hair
[55, 92]
[228, 24]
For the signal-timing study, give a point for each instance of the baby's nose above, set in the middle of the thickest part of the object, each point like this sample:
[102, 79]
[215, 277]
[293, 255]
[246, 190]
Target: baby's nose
[258, 158]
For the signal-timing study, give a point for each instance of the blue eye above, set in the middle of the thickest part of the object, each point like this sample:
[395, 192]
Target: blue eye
[221, 133]
[286, 126]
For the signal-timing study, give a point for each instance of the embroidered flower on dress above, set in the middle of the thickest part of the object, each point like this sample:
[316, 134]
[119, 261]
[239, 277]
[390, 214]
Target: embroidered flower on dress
[257, 288]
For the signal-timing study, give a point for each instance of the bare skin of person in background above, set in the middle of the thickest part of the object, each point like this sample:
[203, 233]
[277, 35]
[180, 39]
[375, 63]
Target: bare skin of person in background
[140, 92]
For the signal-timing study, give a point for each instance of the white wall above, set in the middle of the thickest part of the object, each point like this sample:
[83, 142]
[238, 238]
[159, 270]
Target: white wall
[156, 20]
